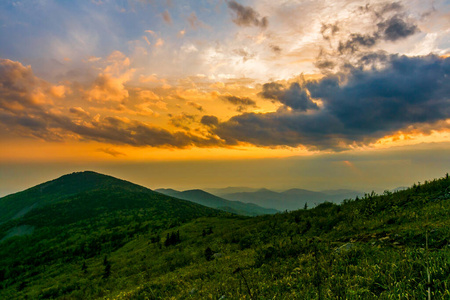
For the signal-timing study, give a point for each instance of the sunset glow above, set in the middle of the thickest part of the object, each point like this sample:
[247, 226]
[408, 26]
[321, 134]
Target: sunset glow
[149, 81]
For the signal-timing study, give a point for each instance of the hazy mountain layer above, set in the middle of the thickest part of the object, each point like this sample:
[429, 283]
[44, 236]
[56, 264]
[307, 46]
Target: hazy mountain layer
[209, 200]
[291, 199]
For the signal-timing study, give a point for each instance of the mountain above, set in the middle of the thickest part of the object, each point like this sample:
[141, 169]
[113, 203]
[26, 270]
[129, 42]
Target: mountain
[291, 199]
[229, 190]
[209, 200]
[169, 192]
[18, 204]
[90, 194]
[81, 215]
[122, 241]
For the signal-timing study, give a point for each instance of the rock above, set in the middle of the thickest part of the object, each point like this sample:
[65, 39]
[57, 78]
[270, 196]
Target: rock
[345, 247]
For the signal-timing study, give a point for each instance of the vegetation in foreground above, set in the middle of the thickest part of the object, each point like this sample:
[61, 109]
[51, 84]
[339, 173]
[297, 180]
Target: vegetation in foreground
[92, 245]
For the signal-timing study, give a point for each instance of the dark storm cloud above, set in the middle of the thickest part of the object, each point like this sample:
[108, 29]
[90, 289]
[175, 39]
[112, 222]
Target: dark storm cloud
[409, 92]
[357, 40]
[395, 29]
[247, 16]
[241, 101]
[114, 130]
[209, 120]
[294, 96]
[325, 64]
[23, 114]
[117, 131]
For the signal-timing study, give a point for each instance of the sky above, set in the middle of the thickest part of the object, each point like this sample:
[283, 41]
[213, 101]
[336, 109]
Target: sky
[194, 94]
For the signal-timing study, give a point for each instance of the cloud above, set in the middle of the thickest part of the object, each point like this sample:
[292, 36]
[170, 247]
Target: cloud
[247, 16]
[395, 28]
[146, 40]
[166, 17]
[58, 91]
[148, 95]
[195, 105]
[135, 133]
[358, 108]
[194, 22]
[242, 103]
[22, 114]
[159, 42]
[294, 96]
[144, 109]
[357, 40]
[110, 82]
[245, 54]
[80, 112]
[209, 121]
[111, 152]
[20, 89]
[107, 88]
[182, 120]
[391, 24]
[329, 30]
[276, 49]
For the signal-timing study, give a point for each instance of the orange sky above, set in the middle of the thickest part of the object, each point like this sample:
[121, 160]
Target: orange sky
[134, 82]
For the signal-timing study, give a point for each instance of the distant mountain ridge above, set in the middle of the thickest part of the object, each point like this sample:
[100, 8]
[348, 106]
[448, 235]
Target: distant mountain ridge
[204, 198]
[229, 190]
[291, 199]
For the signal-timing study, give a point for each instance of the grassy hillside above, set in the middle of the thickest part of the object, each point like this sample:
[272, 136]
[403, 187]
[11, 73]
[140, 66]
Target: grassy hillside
[374, 247]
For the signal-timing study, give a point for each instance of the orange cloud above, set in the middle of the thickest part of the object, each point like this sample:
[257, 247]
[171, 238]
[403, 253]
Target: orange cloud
[107, 88]
[58, 91]
[110, 83]
[159, 42]
[148, 95]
